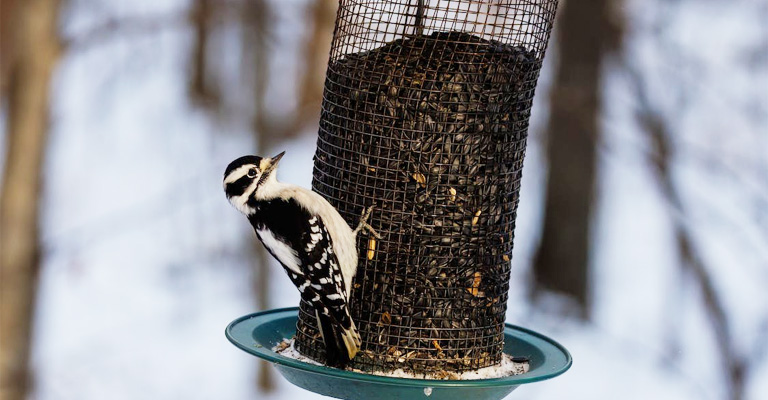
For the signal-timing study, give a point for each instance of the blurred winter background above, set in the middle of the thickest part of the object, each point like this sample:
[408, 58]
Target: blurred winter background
[642, 239]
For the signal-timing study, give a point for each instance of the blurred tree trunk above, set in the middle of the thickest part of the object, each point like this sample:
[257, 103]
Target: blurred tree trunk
[270, 132]
[270, 129]
[7, 42]
[585, 36]
[37, 50]
[316, 52]
[200, 86]
[257, 23]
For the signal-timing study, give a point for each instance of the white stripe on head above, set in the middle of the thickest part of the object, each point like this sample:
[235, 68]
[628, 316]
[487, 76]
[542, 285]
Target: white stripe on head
[238, 173]
[241, 202]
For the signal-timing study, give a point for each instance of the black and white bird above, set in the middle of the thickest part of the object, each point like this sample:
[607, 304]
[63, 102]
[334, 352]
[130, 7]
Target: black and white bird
[311, 240]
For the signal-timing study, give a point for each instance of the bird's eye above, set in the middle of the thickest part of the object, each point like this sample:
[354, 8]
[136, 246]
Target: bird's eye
[252, 173]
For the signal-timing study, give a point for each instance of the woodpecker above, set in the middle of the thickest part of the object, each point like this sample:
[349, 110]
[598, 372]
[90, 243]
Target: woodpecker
[310, 239]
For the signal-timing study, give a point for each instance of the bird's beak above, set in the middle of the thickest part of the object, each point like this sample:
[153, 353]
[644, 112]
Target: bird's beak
[274, 161]
[277, 158]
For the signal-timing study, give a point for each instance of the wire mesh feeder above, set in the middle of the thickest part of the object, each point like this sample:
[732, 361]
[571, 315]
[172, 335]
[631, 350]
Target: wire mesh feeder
[425, 115]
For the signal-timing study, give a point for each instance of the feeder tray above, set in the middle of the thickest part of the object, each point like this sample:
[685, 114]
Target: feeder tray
[259, 333]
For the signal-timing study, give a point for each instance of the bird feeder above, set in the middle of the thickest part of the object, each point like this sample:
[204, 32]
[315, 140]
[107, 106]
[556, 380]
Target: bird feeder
[425, 117]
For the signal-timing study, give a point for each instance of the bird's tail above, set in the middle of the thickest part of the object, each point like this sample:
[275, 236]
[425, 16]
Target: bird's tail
[341, 343]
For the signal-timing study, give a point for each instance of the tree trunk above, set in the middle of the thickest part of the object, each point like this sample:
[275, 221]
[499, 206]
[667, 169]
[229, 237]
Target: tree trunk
[201, 87]
[584, 37]
[257, 20]
[7, 42]
[316, 53]
[37, 50]
[269, 131]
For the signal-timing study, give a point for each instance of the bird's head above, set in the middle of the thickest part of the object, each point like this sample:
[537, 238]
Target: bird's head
[249, 179]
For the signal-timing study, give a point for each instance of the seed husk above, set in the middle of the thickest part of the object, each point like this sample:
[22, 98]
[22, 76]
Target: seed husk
[420, 179]
[475, 283]
[476, 217]
[371, 248]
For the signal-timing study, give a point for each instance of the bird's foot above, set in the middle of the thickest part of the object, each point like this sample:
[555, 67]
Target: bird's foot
[363, 224]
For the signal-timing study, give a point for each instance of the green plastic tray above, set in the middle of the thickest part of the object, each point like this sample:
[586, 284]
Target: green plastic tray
[258, 333]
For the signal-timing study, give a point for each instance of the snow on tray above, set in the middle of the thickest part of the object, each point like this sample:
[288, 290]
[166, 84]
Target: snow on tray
[507, 367]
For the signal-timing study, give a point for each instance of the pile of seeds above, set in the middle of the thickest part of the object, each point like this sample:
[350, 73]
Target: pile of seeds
[431, 130]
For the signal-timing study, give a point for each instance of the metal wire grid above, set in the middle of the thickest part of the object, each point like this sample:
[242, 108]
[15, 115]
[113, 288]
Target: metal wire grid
[425, 116]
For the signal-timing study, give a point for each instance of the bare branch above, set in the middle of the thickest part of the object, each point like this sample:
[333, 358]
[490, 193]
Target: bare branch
[660, 136]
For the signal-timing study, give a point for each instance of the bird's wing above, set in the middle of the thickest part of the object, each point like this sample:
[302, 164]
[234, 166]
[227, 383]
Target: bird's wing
[321, 267]
[292, 231]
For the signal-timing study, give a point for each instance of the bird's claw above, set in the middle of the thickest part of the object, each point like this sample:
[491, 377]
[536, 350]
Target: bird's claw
[363, 224]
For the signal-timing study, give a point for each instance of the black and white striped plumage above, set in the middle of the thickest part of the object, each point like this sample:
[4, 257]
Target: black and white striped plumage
[309, 238]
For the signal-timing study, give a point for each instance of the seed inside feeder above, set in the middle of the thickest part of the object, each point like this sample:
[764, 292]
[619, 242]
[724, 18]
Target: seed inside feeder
[431, 130]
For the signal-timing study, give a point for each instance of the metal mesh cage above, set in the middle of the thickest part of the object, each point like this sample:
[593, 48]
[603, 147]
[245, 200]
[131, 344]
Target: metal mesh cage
[425, 116]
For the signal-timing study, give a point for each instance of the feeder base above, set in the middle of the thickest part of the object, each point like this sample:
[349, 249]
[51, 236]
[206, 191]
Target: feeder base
[258, 333]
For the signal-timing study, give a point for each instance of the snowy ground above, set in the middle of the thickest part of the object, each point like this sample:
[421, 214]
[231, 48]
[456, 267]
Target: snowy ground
[145, 261]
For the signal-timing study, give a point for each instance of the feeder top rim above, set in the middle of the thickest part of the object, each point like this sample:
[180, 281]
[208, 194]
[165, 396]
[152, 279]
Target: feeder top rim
[556, 361]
